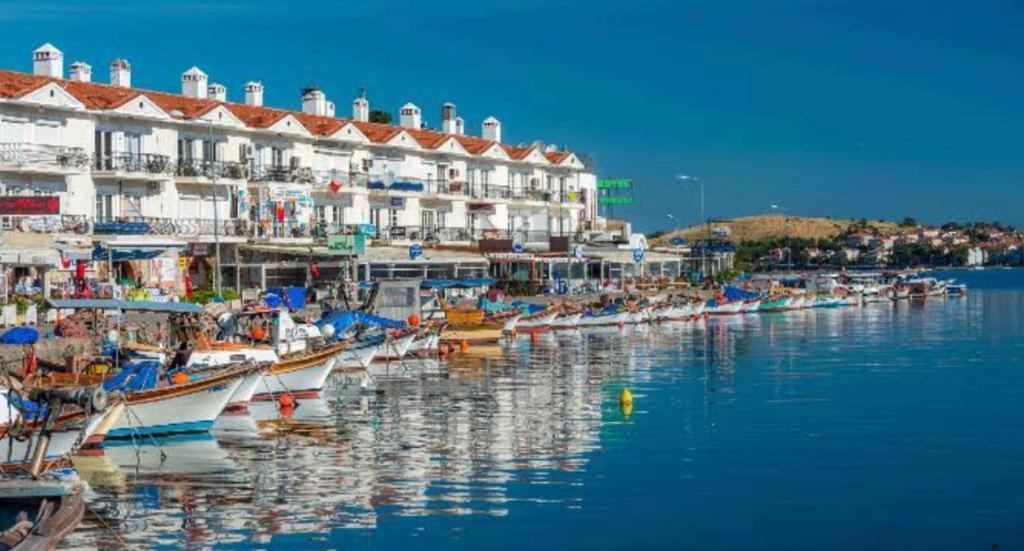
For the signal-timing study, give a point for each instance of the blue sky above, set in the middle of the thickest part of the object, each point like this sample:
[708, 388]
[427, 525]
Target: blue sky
[859, 109]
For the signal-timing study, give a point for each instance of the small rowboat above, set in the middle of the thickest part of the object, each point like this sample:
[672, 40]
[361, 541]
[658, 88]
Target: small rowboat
[302, 374]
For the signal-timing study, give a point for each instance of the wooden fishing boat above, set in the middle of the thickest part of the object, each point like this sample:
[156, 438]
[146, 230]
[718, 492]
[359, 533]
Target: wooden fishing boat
[602, 319]
[536, 323]
[567, 320]
[475, 327]
[58, 506]
[726, 308]
[180, 408]
[396, 345]
[73, 429]
[300, 374]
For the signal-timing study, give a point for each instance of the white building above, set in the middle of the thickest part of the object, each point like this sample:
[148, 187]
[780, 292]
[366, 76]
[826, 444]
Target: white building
[174, 164]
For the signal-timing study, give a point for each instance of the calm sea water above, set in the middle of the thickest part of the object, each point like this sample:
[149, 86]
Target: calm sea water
[883, 427]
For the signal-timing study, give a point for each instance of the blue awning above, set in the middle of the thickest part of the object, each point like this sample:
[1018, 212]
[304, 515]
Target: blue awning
[464, 283]
[127, 305]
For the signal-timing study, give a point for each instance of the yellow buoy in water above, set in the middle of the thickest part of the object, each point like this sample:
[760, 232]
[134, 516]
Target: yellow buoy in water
[626, 402]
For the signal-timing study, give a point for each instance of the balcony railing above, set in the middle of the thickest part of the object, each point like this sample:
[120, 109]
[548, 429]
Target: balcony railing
[142, 163]
[489, 191]
[62, 223]
[42, 156]
[325, 179]
[422, 233]
[199, 168]
[285, 174]
[183, 227]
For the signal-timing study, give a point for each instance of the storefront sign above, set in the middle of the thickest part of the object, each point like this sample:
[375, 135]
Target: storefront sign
[397, 202]
[367, 229]
[638, 255]
[347, 244]
[517, 248]
[480, 208]
[415, 251]
[13, 205]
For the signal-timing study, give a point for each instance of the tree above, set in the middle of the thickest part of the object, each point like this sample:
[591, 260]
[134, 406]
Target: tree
[378, 116]
[908, 222]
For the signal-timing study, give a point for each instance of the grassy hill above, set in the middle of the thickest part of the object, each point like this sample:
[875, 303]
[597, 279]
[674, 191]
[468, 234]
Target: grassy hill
[769, 226]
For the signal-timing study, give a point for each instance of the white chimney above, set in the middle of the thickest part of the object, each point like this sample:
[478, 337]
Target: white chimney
[492, 129]
[254, 93]
[448, 118]
[217, 92]
[81, 71]
[121, 73]
[48, 61]
[314, 101]
[410, 117]
[193, 83]
[460, 126]
[361, 108]
[330, 109]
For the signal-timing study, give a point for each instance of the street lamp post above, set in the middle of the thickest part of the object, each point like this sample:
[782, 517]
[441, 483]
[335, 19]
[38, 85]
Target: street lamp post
[703, 220]
[216, 214]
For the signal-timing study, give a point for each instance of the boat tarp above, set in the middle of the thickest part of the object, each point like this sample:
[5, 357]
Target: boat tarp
[128, 305]
[134, 377]
[731, 292]
[464, 283]
[528, 307]
[343, 320]
[20, 335]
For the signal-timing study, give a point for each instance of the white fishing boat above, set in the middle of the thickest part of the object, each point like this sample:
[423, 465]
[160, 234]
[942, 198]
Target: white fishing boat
[602, 319]
[181, 408]
[536, 323]
[68, 432]
[359, 354]
[395, 346]
[725, 308]
[567, 321]
[751, 306]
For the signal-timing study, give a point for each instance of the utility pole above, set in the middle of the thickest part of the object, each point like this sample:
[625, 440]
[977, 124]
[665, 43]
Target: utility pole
[216, 214]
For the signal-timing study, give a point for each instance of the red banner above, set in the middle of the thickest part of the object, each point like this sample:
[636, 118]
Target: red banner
[14, 205]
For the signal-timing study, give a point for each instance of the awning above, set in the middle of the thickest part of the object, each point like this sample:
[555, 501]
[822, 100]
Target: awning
[135, 249]
[127, 305]
[464, 283]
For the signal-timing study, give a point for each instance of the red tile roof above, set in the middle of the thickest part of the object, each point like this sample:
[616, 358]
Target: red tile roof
[97, 96]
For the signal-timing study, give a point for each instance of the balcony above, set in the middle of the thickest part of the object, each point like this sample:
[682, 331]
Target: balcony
[43, 158]
[62, 223]
[282, 174]
[422, 233]
[181, 227]
[202, 170]
[489, 191]
[142, 165]
[338, 180]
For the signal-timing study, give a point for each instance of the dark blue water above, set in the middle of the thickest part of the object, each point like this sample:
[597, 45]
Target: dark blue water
[882, 427]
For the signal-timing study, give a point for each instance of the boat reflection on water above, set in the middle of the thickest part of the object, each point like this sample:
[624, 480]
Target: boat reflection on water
[425, 438]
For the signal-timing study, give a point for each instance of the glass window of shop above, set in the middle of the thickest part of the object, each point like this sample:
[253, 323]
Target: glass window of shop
[577, 270]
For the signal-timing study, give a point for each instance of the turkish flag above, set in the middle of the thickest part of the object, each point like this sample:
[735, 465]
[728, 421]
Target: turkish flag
[335, 185]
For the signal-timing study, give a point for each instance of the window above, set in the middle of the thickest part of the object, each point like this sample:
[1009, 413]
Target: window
[209, 150]
[103, 150]
[104, 206]
[276, 157]
[393, 217]
[185, 149]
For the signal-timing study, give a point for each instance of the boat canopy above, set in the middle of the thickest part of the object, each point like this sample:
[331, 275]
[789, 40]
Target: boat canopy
[127, 305]
[343, 320]
[464, 283]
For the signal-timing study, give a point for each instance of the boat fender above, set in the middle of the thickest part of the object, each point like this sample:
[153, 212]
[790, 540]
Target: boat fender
[179, 378]
[285, 401]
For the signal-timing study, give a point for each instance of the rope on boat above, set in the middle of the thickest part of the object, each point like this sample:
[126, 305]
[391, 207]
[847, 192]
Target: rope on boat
[132, 433]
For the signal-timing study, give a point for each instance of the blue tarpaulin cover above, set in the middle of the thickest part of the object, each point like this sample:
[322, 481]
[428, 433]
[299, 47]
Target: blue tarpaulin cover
[344, 320]
[528, 308]
[134, 377]
[732, 292]
[20, 335]
[294, 298]
[99, 253]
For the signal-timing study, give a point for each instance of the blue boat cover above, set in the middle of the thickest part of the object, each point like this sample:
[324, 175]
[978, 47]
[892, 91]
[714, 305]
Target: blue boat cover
[343, 321]
[134, 377]
[528, 308]
[732, 292]
[20, 335]
[99, 253]
[294, 298]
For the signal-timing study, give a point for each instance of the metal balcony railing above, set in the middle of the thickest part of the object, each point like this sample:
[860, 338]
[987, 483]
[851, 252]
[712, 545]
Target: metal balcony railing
[489, 191]
[183, 227]
[64, 223]
[143, 163]
[325, 179]
[18, 154]
[199, 168]
[284, 174]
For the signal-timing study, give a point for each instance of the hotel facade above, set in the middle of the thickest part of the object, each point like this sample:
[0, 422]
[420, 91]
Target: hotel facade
[82, 161]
